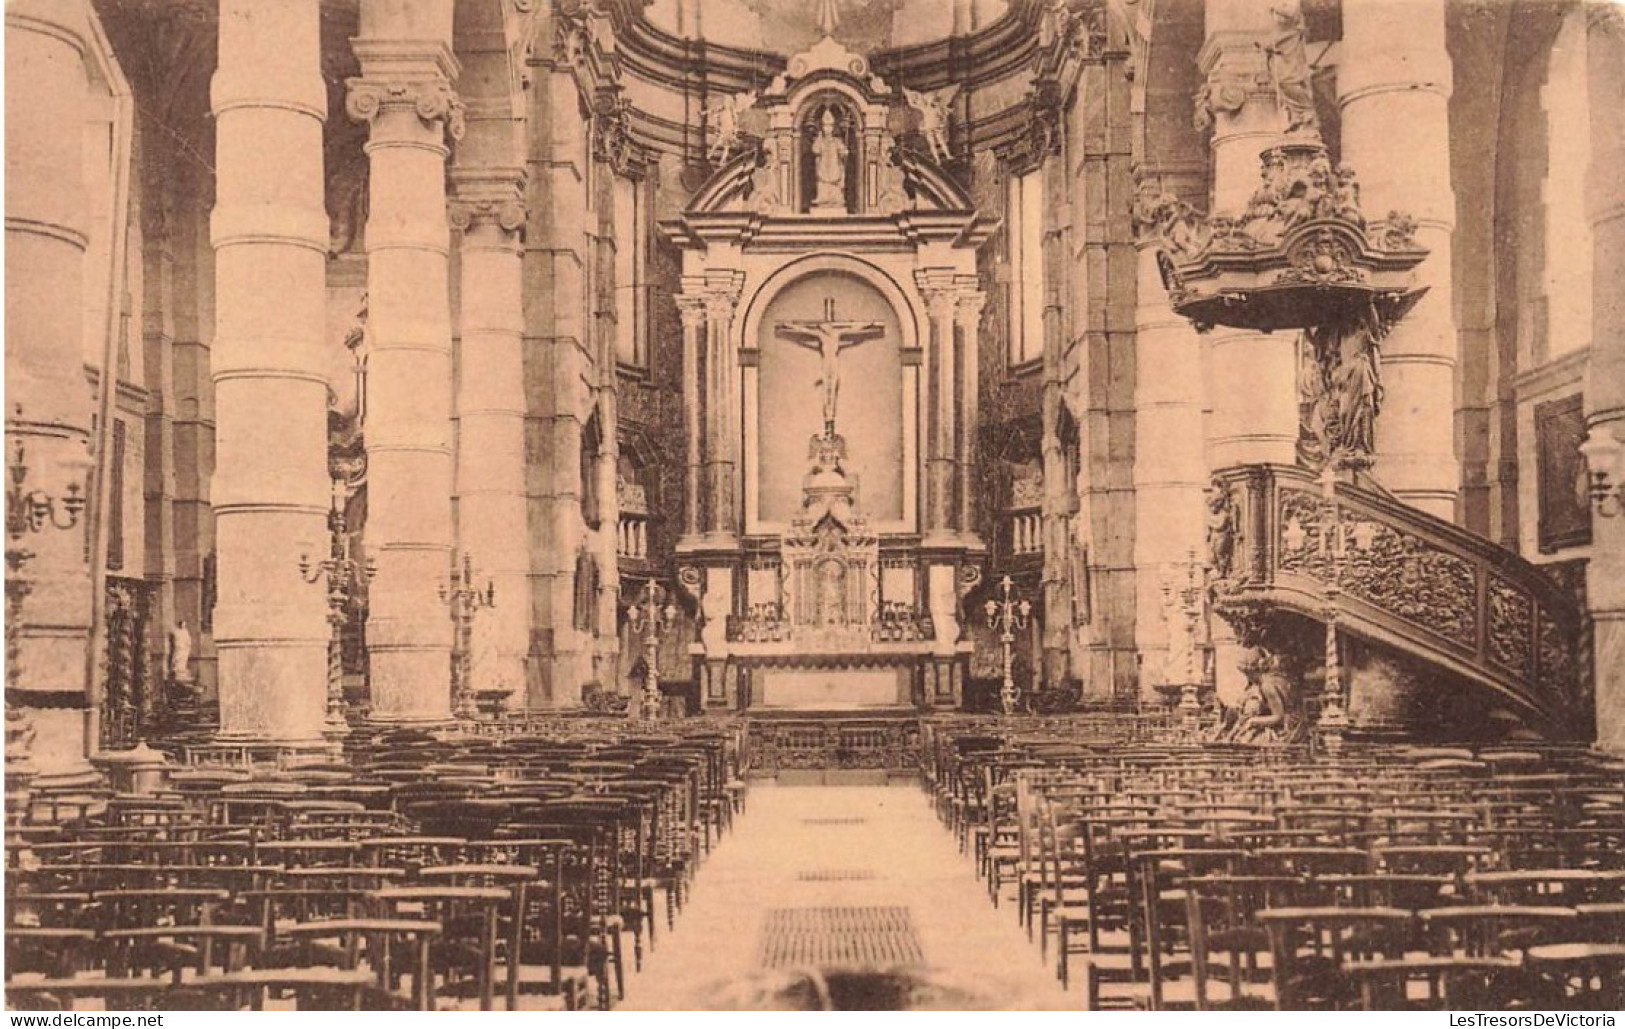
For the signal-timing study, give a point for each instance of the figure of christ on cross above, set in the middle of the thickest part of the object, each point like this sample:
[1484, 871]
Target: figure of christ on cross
[829, 337]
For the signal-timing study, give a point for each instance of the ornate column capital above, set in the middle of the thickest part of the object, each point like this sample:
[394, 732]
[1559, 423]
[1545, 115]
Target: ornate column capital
[506, 214]
[430, 99]
[691, 309]
[720, 304]
[970, 308]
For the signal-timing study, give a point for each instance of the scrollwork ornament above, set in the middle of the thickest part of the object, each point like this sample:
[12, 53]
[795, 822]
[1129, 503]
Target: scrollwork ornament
[507, 215]
[365, 99]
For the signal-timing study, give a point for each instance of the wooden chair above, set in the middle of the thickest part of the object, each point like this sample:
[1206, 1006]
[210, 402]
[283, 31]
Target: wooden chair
[379, 943]
[1310, 945]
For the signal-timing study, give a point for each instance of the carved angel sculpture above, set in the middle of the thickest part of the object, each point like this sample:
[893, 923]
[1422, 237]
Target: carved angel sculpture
[934, 117]
[722, 115]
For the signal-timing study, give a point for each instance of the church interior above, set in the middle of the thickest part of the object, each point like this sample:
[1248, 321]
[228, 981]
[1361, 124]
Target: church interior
[815, 504]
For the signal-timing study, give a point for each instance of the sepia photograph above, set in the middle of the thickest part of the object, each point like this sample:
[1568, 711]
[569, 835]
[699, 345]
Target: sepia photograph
[814, 505]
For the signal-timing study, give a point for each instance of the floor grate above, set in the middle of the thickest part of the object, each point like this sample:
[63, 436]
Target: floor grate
[832, 875]
[867, 937]
[835, 821]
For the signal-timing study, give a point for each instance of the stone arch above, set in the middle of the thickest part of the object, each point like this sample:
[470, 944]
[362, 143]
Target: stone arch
[909, 314]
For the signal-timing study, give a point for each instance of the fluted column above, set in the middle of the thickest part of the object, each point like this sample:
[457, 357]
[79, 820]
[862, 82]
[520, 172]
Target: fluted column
[1393, 82]
[1254, 386]
[405, 94]
[47, 402]
[970, 329]
[489, 213]
[723, 407]
[270, 490]
[692, 311]
[1605, 373]
[941, 300]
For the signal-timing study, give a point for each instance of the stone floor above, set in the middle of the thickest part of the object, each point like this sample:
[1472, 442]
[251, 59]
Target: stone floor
[832, 877]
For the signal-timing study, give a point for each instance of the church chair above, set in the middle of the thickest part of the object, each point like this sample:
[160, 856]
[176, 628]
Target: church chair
[1489, 930]
[125, 993]
[1407, 891]
[598, 823]
[1307, 861]
[394, 950]
[1157, 878]
[1562, 887]
[1230, 948]
[311, 853]
[550, 945]
[177, 951]
[515, 880]
[49, 951]
[592, 940]
[1309, 947]
[1589, 976]
[410, 852]
[1603, 922]
[140, 908]
[465, 950]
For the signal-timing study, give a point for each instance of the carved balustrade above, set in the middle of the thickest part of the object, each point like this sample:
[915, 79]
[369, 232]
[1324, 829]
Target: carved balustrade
[1399, 576]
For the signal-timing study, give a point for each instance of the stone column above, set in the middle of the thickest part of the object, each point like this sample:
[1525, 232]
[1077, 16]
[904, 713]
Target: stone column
[970, 329]
[48, 402]
[1170, 468]
[492, 523]
[405, 94]
[1605, 374]
[1393, 83]
[692, 311]
[270, 490]
[1254, 386]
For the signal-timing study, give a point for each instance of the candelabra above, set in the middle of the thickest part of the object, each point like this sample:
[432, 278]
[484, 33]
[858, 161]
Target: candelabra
[1192, 604]
[465, 601]
[1009, 616]
[652, 619]
[28, 511]
[345, 577]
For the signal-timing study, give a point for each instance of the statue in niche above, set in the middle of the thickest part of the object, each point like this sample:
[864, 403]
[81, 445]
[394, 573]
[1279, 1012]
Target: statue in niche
[1289, 68]
[829, 165]
[180, 653]
[1221, 530]
[934, 118]
[1344, 391]
[831, 593]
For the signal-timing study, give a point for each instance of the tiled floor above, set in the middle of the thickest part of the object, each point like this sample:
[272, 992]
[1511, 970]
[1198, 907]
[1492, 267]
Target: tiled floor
[866, 850]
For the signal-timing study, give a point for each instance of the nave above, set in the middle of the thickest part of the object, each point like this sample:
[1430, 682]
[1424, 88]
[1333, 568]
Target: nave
[1096, 861]
[864, 876]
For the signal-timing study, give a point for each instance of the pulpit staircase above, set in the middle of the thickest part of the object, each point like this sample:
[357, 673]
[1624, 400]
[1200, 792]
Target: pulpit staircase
[1476, 616]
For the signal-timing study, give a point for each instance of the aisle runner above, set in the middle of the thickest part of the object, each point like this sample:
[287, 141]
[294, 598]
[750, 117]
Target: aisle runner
[866, 937]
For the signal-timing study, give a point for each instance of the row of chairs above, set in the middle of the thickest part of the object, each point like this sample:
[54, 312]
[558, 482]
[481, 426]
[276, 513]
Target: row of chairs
[424, 871]
[1185, 876]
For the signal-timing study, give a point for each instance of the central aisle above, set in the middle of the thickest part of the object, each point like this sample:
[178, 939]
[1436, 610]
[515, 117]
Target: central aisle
[903, 894]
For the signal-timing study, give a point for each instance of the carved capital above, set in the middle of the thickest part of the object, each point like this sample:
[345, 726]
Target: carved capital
[720, 304]
[970, 307]
[430, 99]
[691, 309]
[466, 213]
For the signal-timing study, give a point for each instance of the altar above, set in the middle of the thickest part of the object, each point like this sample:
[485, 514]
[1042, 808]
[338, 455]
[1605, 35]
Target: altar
[831, 309]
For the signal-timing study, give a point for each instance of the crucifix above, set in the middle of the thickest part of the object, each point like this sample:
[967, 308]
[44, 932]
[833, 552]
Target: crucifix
[829, 337]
